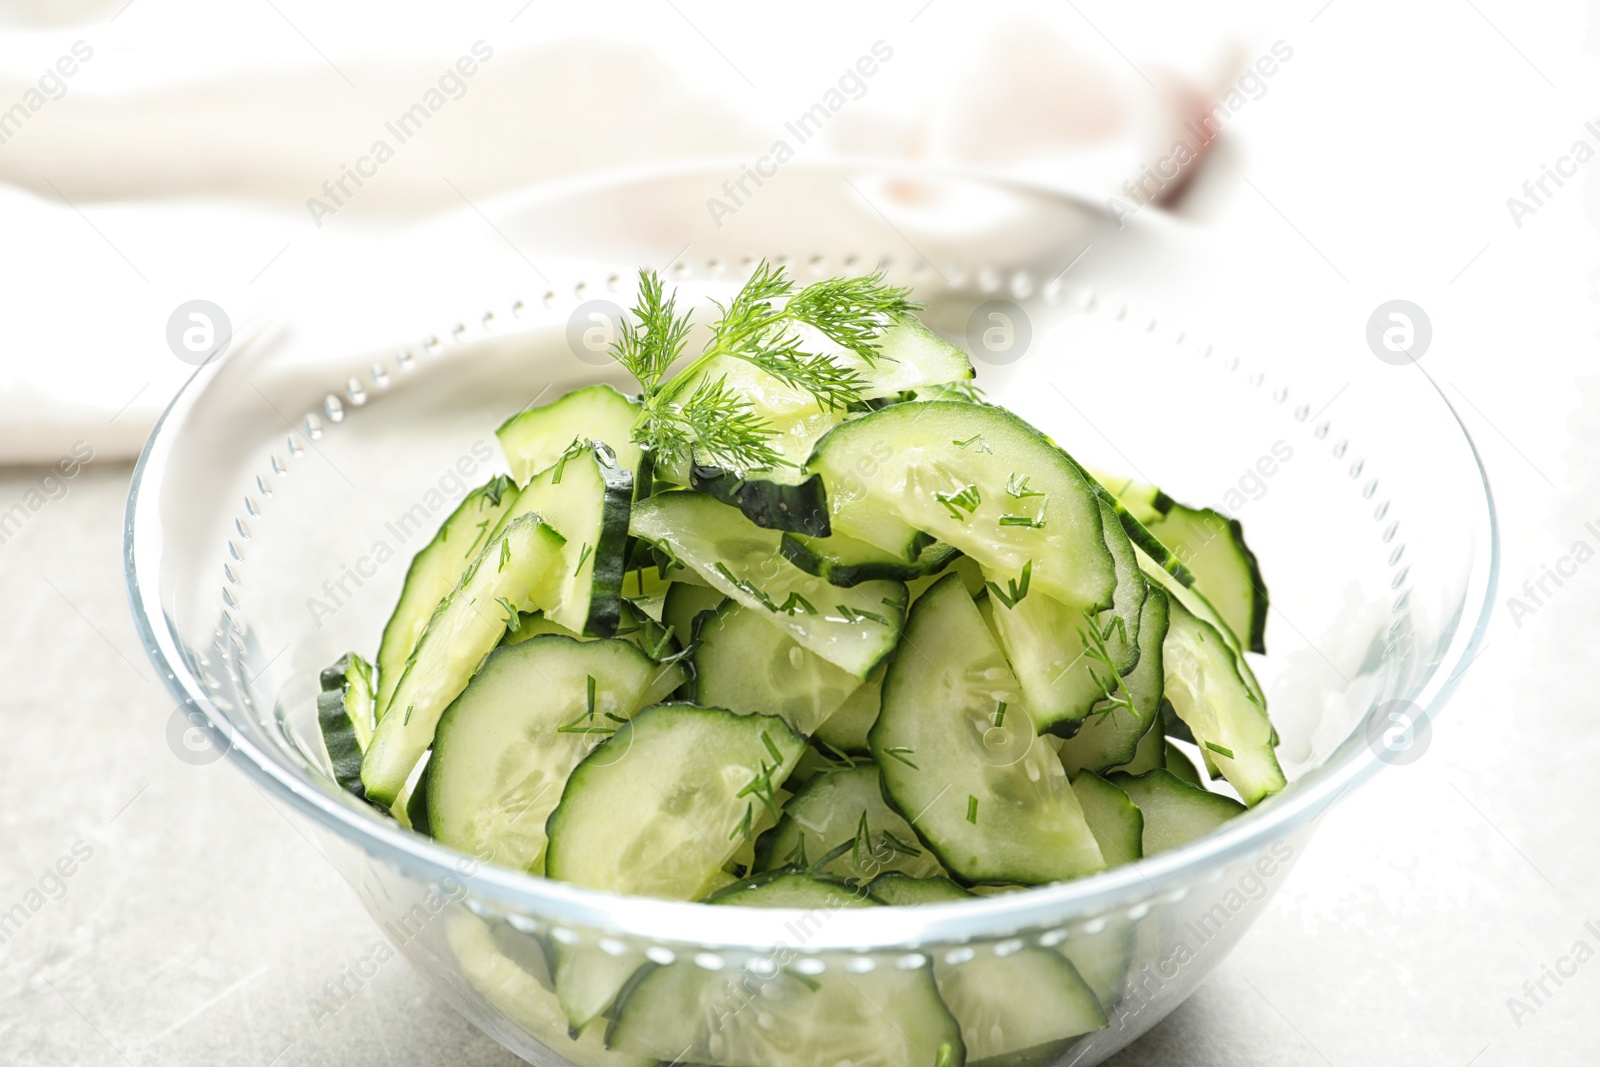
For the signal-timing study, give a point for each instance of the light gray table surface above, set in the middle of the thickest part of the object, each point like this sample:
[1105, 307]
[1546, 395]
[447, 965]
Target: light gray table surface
[204, 921]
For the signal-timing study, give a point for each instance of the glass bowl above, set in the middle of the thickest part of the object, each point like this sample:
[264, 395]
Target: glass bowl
[278, 501]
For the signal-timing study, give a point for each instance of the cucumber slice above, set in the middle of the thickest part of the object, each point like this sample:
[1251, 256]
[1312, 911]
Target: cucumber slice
[1066, 659]
[769, 503]
[586, 496]
[975, 477]
[1149, 753]
[1208, 694]
[588, 980]
[1200, 607]
[1145, 503]
[844, 810]
[855, 628]
[684, 604]
[1021, 1008]
[983, 792]
[902, 890]
[1181, 766]
[845, 731]
[744, 663]
[520, 567]
[845, 561]
[535, 438]
[1175, 812]
[525, 998]
[888, 1017]
[1225, 571]
[910, 356]
[636, 628]
[1115, 820]
[345, 714]
[661, 806]
[789, 888]
[970, 573]
[1109, 738]
[434, 572]
[501, 760]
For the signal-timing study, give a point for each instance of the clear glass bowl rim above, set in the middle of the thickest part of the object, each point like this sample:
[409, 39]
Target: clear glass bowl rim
[756, 931]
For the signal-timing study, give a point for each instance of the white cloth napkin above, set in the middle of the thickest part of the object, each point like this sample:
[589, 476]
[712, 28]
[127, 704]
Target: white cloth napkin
[162, 152]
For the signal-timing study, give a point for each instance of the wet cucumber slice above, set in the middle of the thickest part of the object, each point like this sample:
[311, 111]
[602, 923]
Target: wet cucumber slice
[535, 438]
[517, 571]
[1174, 811]
[434, 572]
[887, 1017]
[661, 806]
[842, 814]
[845, 731]
[345, 715]
[1118, 827]
[585, 495]
[854, 629]
[975, 477]
[960, 756]
[744, 663]
[1206, 691]
[1109, 737]
[501, 760]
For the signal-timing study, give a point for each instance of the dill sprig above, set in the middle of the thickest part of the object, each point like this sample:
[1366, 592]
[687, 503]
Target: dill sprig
[1110, 684]
[712, 424]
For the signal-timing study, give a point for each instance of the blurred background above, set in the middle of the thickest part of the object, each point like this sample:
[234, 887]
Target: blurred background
[262, 154]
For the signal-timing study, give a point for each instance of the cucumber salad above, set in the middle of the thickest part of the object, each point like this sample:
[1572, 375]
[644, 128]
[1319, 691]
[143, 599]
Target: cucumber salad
[807, 616]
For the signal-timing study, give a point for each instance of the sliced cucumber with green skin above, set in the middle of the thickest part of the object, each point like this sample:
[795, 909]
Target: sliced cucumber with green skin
[844, 810]
[535, 438]
[1145, 503]
[1180, 765]
[525, 998]
[586, 495]
[887, 1017]
[1174, 811]
[434, 572]
[636, 628]
[790, 888]
[588, 979]
[1225, 571]
[501, 759]
[346, 716]
[910, 356]
[745, 663]
[684, 604]
[845, 561]
[902, 890]
[1208, 694]
[846, 730]
[1109, 737]
[960, 758]
[967, 569]
[1118, 827]
[1197, 605]
[1018, 1009]
[975, 477]
[518, 570]
[773, 505]
[661, 806]
[1149, 753]
[855, 628]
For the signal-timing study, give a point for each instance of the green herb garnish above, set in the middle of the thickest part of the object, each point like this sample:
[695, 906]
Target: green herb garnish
[1017, 589]
[1219, 750]
[692, 415]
